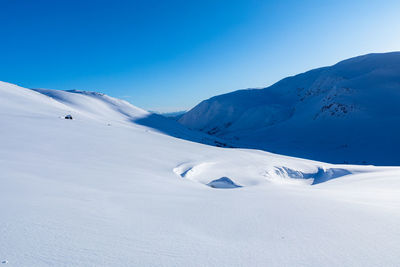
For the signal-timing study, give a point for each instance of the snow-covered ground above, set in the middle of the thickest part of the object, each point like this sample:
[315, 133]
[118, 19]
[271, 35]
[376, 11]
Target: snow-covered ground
[345, 113]
[103, 189]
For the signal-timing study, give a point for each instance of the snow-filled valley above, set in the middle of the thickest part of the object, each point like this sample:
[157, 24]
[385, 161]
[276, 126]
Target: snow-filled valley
[119, 186]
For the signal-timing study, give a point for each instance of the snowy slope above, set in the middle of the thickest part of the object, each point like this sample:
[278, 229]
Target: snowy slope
[103, 190]
[100, 107]
[349, 112]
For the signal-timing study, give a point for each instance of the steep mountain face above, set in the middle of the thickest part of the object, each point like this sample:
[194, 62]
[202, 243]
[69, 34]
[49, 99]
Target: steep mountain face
[349, 112]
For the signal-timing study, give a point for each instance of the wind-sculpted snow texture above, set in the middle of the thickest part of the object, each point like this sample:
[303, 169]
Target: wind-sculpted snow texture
[346, 113]
[102, 190]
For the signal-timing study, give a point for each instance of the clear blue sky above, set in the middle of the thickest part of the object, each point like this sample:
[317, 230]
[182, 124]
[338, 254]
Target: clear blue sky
[169, 55]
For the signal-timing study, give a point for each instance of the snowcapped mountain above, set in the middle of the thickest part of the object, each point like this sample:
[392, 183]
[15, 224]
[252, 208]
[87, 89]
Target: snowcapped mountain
[111, 187]
[349, 112]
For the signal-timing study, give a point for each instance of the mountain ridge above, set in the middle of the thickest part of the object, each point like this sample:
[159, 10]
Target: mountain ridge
[346, 97]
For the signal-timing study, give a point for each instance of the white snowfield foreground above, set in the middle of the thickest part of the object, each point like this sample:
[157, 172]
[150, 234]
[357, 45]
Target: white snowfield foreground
[102, 190]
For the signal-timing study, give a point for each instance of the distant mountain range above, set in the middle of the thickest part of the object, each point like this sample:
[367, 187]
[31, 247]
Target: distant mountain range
[345, 113]
[176, 114]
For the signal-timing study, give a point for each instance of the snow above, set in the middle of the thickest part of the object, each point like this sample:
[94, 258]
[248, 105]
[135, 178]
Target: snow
[104, 190]
[223, 183]
[346, 113]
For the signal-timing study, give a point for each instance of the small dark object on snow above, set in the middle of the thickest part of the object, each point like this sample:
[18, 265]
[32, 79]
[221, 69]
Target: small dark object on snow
[223, 182]
[68, 117]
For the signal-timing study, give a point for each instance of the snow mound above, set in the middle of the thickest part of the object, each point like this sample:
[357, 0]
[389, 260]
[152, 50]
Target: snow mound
[223, 183]
[260, 168]
[320, 176]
